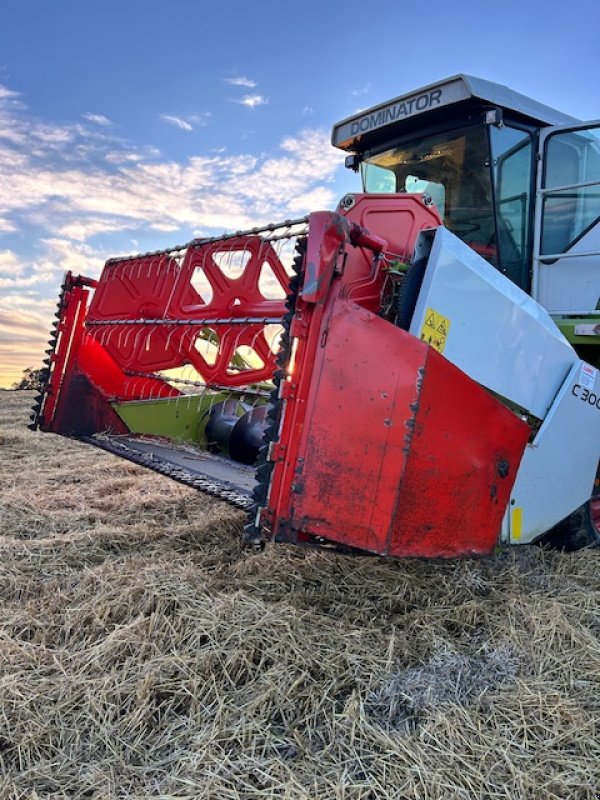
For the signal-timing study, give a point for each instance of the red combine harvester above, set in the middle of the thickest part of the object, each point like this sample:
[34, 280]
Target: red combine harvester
[359, 380]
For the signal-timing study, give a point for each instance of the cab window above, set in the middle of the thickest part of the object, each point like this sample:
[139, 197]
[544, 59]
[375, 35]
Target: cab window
[512, 159]
[572, 176]
[452, 167]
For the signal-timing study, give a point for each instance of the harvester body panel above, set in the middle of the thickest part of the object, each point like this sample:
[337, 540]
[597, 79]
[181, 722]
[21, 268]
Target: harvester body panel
[557, 472]
[427, 456]
[492, 330]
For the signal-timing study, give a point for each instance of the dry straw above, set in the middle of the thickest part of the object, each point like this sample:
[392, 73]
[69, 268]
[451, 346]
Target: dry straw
[144, 653]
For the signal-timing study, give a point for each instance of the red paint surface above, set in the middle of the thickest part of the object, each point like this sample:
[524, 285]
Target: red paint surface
[160, 288]
[84, 378]
[595, 512]
[352, 445]
[400, 449]
[463, 461]
[360, 277]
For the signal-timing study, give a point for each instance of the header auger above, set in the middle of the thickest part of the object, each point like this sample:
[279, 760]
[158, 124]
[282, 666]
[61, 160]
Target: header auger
[383, 378]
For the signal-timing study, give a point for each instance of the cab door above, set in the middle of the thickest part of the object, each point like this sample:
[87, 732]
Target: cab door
[566, 252]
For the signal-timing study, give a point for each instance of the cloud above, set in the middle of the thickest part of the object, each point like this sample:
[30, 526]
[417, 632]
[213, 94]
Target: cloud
[247, 83]
[74, 195]
[8, 94]
[199, 120]
[25, 139]
[189, 122]
[17, 274]
[97, 119]
[58, 256]
[6, 226]
[212, 191]
[253, 100]
[23, 283]
[64, 254]
[308, 111]
[125, 157]
[9, 262]
[364, 89]
[319, 198]
[53, 134]
[179, 122]
[80, 230]
[24, 330]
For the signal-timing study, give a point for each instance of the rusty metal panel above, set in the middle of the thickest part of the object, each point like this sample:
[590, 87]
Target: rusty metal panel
[402, 454]
[464, 455]
[355, 449]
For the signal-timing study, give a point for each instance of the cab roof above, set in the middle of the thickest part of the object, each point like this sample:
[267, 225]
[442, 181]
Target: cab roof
[356, 132]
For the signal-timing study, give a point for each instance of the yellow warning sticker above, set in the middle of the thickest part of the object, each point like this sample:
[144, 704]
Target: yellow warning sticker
[435, 330]
[516, 528]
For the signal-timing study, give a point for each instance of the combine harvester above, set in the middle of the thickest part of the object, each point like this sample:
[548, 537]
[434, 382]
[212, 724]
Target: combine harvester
[413, 374]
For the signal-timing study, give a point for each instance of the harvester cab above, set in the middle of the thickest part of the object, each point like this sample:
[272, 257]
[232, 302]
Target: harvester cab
[413, 374]
[515, 180]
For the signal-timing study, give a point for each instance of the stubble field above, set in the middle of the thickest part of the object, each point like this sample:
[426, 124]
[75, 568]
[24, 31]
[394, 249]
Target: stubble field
[145, 653]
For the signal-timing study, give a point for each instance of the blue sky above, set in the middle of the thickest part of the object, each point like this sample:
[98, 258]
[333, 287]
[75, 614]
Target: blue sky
[138, 124]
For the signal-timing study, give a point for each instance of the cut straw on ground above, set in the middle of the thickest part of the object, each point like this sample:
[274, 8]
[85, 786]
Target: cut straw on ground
[145, 653]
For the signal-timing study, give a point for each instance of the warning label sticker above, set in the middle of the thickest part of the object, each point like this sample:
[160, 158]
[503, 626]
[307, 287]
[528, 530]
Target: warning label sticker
[587, 376]
[435, 329]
